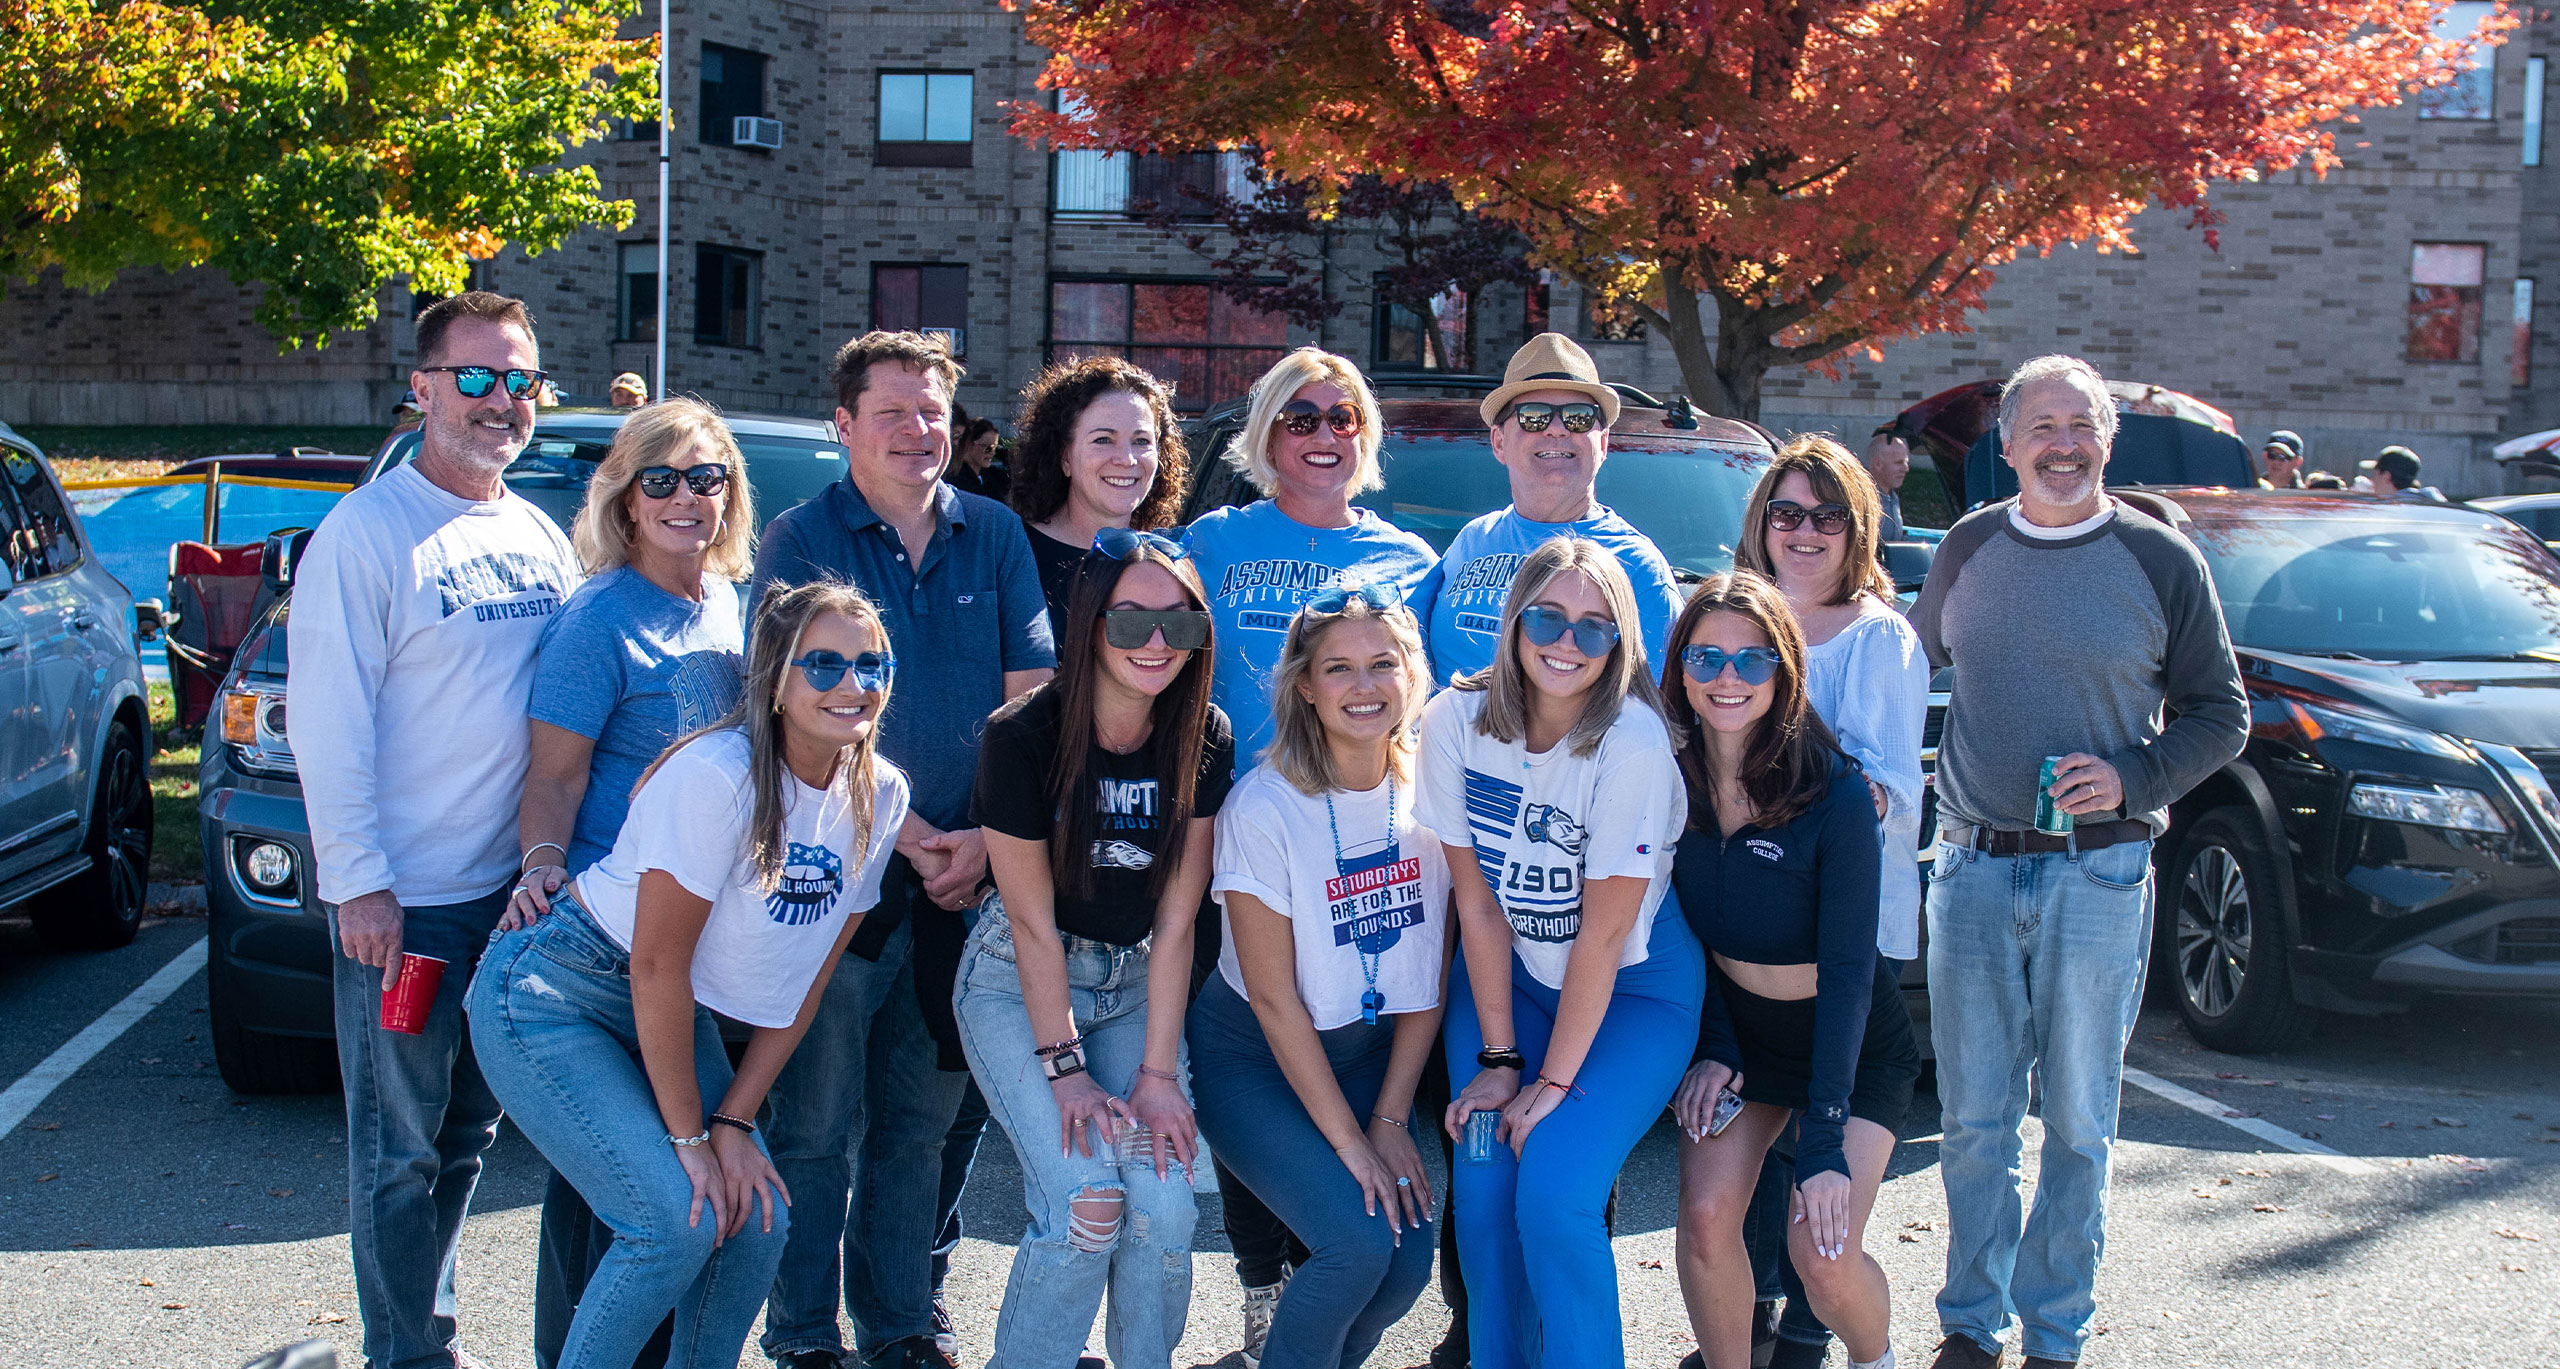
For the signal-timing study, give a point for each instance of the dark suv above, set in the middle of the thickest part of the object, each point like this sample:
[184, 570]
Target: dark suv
[269, 972]
[2391, 827]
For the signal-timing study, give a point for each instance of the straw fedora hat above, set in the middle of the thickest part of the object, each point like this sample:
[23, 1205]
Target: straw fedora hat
[1550, 361]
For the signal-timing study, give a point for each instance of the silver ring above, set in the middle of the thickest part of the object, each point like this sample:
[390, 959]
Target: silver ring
[1403, 1182]
[1079, 1121]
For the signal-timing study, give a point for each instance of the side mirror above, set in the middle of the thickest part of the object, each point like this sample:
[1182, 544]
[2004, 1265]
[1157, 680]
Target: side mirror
[150, 619]
[279, 556]
[1908, 562]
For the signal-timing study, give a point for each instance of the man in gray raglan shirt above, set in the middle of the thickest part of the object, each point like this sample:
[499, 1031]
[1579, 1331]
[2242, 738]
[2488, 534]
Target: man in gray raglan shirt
[2071, 620]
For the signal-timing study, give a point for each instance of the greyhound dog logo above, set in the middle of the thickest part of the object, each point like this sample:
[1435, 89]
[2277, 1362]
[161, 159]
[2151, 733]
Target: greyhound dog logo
[812, 877]
[1554, 826]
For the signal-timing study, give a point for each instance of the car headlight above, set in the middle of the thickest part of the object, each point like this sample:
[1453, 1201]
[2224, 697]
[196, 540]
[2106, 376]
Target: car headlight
[2331, 724]
[253, 721]
[2462, 810]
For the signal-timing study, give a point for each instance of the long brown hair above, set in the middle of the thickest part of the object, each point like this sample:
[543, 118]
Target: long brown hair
[1174, 744]
[1299, 749]
[1623, 677]
[780, 619]
[1789, 762]
[1837, 478]
[1045, 427]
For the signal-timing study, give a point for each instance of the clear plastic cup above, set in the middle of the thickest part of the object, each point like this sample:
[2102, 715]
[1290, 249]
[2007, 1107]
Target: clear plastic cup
[1477, 1143]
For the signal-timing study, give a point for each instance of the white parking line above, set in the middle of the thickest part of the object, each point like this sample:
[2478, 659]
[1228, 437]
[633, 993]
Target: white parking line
[2256, 1126]
[30, 1091]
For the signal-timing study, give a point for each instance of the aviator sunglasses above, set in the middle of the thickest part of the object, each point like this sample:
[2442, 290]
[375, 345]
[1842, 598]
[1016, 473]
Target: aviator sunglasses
[1830, 520]
[1592, 637]
[1753, 665]
[1534, 417]
[659, 482]
[1301, 417]
[473, 382]
[824, 670]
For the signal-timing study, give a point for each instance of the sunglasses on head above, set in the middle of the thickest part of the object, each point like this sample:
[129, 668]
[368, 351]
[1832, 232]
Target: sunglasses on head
[1753, 665]
[473, 382]
[1120, 544]
[1300, 417]
[659, 482]
[1128, 629]
[1534, 417]
[1830, 520]
[1379, 598]
[871, 671]
[1592, 637]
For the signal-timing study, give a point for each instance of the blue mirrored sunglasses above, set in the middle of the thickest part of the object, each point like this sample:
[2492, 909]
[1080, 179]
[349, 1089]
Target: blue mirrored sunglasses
[473, 382]
[1591, 636]
[1753, 665]
[1379, 598]
[1120, 544]
[872, 670]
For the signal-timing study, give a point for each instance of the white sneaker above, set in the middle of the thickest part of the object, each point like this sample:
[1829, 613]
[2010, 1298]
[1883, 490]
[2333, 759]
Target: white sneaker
[1260, 1305]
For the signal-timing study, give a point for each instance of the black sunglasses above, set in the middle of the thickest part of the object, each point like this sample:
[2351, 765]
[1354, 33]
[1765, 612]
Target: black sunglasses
[1534, 417]
[473, 382]
[659, 482]
[1591, 636]
[1753, 665]
[1379, 598]
[1120, 544]
[1830, 520]
[1301, 417]
[1128, 629]
[872, 670]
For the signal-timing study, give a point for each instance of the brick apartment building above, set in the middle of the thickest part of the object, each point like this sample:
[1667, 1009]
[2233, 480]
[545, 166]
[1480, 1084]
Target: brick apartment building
[2390, 301]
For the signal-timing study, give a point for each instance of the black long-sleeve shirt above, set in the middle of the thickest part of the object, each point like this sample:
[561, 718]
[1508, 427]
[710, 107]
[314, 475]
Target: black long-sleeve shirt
[1801, 893]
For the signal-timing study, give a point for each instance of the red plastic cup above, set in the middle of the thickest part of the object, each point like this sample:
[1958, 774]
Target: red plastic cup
[405, 1003]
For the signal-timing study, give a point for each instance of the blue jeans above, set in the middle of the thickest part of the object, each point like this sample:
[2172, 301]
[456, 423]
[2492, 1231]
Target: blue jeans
[1559, 1309]
[1356, 1280]
[856, 1121]
[419, 1117]
[551, 1017]
[1063, 1266]
[2035, 963]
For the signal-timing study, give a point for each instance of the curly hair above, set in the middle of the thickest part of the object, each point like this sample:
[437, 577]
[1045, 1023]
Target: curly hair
[1045, 427]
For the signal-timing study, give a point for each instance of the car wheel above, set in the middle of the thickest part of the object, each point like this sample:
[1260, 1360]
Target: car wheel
[256, 1062]
[2225, 942]
[101, 907]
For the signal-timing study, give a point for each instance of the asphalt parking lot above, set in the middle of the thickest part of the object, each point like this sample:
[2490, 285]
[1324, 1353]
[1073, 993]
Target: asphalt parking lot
[149, 1217]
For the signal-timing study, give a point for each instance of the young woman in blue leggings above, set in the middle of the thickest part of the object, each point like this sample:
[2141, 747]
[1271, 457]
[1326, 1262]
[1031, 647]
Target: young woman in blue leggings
[1550, 776]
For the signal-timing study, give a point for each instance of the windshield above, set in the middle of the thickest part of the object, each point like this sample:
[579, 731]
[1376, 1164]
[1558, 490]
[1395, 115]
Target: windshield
[553, 470]
[2384, 588]
[1686, 496]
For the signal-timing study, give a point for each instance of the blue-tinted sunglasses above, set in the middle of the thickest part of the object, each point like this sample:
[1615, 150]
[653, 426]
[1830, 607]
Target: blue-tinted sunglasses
[472, 382]
[1591, 636]
[1753, 665]
[1379, 598]
[872, 670]
[1120, 544]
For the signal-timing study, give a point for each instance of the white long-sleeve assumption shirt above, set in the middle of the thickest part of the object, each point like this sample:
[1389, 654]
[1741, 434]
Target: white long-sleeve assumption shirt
[410, 656]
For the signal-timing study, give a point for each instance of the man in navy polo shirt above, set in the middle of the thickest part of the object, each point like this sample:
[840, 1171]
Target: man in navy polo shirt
[953, 576]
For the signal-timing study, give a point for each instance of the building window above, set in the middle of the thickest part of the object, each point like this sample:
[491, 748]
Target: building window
[2444, 301]
[2535, 69]
[732, 89]
[1608, 320]
[2520, 351]
[2474, 93]
[1403, 338]
[1205, 345]
[1089, 181]
[923, 299]
[728, 287]
[924, 118]
[637, 305]
[635, 130]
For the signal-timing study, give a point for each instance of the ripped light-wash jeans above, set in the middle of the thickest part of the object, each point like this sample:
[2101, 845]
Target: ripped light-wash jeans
[1066, 1263]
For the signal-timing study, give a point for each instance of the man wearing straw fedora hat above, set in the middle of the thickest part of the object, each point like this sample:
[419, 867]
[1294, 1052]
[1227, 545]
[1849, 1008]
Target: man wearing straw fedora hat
[1550, 422]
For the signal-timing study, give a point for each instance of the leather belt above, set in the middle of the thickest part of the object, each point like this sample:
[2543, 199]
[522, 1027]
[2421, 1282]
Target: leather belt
[2093, 836]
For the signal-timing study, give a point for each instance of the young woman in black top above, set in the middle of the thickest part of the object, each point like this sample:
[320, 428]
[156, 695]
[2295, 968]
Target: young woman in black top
[1095, 446]
[1778, 876]
[1095, 793]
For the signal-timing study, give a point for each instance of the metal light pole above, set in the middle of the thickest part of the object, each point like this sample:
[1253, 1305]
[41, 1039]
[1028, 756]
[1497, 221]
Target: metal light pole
[666, 54]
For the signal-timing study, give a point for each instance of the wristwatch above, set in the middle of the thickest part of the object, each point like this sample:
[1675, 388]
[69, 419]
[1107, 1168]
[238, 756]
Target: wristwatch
[1063, 1062]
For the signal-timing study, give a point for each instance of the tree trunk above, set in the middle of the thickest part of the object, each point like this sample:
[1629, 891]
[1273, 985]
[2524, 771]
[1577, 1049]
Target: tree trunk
[1723, 376]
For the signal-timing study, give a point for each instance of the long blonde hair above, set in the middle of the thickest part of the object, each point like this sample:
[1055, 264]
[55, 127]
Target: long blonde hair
[1250, 452]
[1298, 749]
[780, 620]
[602, 534]
[1505, 716]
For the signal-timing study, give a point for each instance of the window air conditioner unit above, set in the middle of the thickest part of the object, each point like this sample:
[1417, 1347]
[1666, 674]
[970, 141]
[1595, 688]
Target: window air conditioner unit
[953, 339]
[749, 131]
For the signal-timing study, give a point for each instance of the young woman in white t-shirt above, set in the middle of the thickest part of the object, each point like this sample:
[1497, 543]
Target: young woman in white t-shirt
[1308, 1042]
[750, 853]
[1550, 776]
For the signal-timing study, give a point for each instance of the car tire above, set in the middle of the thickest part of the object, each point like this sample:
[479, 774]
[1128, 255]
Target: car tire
[2223, 939]
[259, 1063]
[101, 907]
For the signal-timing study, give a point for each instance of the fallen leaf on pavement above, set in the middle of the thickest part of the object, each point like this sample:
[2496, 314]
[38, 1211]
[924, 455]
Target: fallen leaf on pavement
[57, 1126]
[1924, 1224]
[173, 1307]
[2451, 1122]
[279, 1193]
[2253, 1174]
[47, 1178]
[2514, 1235]
[149, 1284]
[2512, 1268]
[1906, 1236]
[1648, 1264]
[2387, 1124]
[2264, 1207]
[327, 1319]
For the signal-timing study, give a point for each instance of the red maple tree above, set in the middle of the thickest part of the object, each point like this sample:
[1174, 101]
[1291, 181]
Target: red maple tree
[1768, 182]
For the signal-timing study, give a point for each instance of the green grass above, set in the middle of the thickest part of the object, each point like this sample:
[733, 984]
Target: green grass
[177, 844]
[186, 443]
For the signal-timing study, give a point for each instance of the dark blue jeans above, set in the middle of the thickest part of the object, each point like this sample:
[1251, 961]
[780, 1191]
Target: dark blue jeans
[419, 1117]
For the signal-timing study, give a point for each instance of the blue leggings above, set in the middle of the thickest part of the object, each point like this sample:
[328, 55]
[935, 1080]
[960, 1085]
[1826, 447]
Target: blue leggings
[1559, 1310]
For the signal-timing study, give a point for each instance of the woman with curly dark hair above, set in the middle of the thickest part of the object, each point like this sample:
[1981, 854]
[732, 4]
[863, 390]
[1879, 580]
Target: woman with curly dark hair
[1096, 446]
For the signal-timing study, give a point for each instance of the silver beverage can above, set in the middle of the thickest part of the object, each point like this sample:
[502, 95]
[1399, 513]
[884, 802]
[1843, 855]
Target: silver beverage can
[2049, 814]
[1477, 1146]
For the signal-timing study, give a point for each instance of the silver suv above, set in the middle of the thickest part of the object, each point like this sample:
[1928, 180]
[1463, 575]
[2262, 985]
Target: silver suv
[75, 725]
